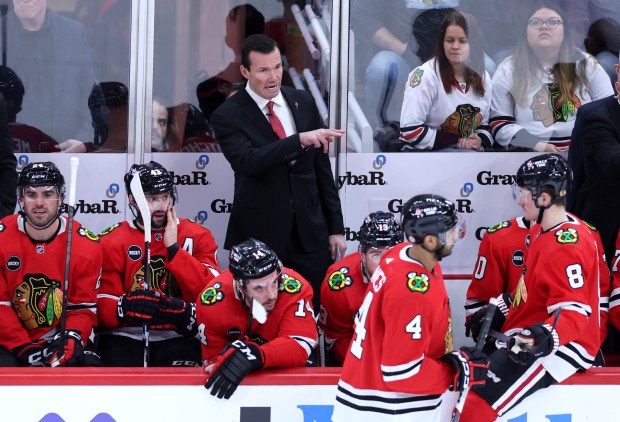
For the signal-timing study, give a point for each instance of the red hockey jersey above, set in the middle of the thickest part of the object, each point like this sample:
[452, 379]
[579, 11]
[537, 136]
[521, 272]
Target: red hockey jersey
[32, 278]
[191, 269]
[402, 330]
[561, 272]
[342, 293]
[286, 338]
[500, 262]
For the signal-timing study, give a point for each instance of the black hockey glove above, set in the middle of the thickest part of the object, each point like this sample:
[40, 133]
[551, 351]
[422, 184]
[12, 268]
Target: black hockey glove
[175, 314]
[231, 366]
[31, 354]
[474, 324]
[71, 353]
[533, 342]
[470, 369]
[137, 307]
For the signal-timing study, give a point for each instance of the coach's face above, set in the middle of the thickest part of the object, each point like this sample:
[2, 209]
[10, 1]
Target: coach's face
[265, 73]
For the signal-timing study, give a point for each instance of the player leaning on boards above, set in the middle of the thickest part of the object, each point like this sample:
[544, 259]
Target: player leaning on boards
[344, 286]
[553, 322]
[401, 362]
[33, 247]
[234, 343]
[183, 260]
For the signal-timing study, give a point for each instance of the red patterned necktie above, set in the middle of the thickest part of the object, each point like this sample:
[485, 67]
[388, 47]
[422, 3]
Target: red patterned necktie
[276, 124]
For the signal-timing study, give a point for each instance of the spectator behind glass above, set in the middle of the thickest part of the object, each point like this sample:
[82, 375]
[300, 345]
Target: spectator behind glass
[190, 131]
[52, 56]
[537, 90]
[8, 174]
[447, 100]
[117, 101]
[159, 127]
[383, 30]
[603, 42]
[25, 138]
[241, 22]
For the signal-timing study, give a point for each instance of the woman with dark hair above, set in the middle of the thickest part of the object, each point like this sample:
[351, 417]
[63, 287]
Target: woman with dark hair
[537, 90]
[447, 99]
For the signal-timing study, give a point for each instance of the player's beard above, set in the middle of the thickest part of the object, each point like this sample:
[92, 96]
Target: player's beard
[158, 225]
[41, 224]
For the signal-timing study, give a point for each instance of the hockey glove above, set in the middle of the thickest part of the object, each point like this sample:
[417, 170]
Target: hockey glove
[533, 342]
[231, 366]
[474, 324]
[175, 314]
[31, 354]
[71, 353]
[470, 369]
[137, 307]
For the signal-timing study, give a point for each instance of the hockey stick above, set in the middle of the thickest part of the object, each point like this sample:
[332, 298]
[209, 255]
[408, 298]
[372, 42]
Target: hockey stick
[482, 337]
[75, 162]
[143, 206]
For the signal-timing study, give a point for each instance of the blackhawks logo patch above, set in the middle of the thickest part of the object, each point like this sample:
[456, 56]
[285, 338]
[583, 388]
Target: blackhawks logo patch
[290, 284]
[521, 291]
[499, 226]
[339, 279]
[418, 282]
[416, 77]
[88, 234]
[211, 295]
[109, 229]
[567, 236]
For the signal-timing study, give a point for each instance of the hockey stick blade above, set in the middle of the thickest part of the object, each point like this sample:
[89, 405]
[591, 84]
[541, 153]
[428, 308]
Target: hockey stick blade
[259, 313]
[143, 206]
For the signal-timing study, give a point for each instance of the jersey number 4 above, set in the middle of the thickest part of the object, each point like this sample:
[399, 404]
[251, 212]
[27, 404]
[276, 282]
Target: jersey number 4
[414, 326]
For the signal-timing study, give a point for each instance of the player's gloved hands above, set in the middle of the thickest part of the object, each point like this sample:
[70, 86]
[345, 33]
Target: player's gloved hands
[71, 353]
[473, 325]
[533, 342]
[470, 368]
[137, 307]
[31, 354]
[231, 366]
[175, 314]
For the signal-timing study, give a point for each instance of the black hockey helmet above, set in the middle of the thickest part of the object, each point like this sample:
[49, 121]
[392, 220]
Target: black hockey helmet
[252, 259]
[427, 214]
[41, 174]
[380, 230]
[154, 179]
[550, 170]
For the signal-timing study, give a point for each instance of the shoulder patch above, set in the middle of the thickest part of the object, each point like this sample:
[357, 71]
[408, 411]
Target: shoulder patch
[109, 229]
[290, 284]
[566, 236]
[587, 224]
[497, 227]
[418, 282]
[339, 279]
[211, 295]
[416, 77]
[88, 234]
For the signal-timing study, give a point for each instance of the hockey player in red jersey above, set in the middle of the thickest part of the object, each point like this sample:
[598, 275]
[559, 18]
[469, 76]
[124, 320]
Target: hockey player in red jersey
[499, 265]
[33, 248]
[234, 343]
[183, 260]
[344, 287]
[553, 322]
[401, 362]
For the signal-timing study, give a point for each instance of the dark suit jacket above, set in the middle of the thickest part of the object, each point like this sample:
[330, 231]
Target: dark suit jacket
[598, 200]
[269, 193]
